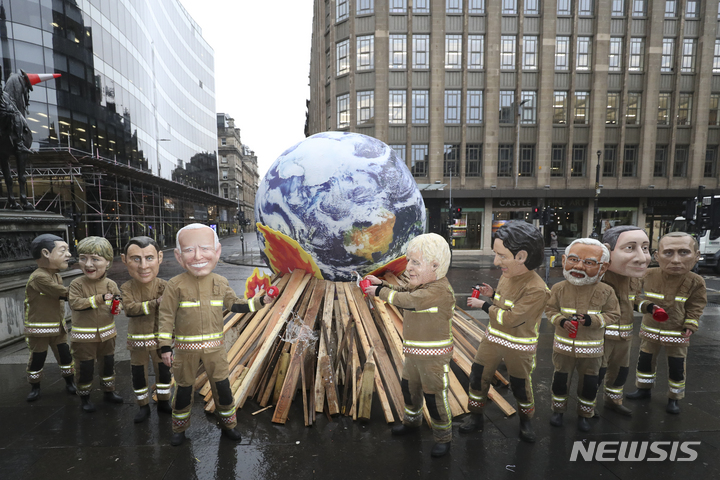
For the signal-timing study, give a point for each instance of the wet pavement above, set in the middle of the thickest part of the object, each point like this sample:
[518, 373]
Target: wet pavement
[53, 439]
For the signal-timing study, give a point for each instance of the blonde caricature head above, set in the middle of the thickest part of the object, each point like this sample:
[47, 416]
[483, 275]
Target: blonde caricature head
[96, 246]
[434, 249]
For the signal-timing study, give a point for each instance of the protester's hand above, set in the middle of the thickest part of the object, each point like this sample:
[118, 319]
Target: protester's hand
[108, 296]
[484, 289]
[167, 358]
[370, 290]
[158, 300]
[475, 302]
[687, 332]
[267, 300]
[373, 279]
[570, 327]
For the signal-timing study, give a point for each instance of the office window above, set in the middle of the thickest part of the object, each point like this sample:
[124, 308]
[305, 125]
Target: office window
[398, 51]
[364, 7]
[526, 166]
[582, 104]
[476, 6]
[684, 113]
[530, 43]
[223, 159]
[609, 160]
[452, 106]
[366, 52]
[343, 60]
[710, 169]
[343, 111]
[560, 108]
[613, 104]
[668, 55]
[453, 51]
[505, 160]
[509, 7]
[473, 160]
[638, 8]
[670, 8]
[557, 162]
[618, 8]
[532, 7]
[688, 56]
[420, 103]
[453, 6]
[223, 141]
[681, 161]
[714, 117]
[226, 193]
[398, 6]
[615, 55]
[421, 51]
[563, 7]
[365, 106]
[451, 160]
[328, 66]
[476, 52]
[691, 9]
[507, 106]
[584, 46]
[328, 115]
[421, 6]
[397, 106]
[585, 7]
[399, 151]
[716, 56]
[630, 161]
[474, 106]
[507, 52]
[562, 48]
[341, 10]
[419, 160]
[224, 173]
[632, 116]
[579, 160]
[529, 108]
[637, 54]
[664, 109]
[660, 165]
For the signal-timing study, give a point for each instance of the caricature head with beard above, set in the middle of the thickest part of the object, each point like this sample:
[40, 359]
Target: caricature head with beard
[585, 261]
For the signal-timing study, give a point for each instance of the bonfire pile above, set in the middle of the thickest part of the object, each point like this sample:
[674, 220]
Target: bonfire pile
[337, 346]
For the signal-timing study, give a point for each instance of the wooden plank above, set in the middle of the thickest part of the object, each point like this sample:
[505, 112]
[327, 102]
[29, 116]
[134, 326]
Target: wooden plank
[284, 363]
[366, 391]
[325, 369]
[390, 333]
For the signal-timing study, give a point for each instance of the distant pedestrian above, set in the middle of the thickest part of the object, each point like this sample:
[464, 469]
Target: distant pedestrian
[553, 244]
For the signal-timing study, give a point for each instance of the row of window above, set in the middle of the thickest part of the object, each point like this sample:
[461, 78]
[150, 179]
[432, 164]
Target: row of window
[638, 8]
[578, 162]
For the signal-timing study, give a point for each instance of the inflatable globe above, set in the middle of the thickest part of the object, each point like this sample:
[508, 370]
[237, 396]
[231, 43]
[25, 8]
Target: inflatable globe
[336, 203]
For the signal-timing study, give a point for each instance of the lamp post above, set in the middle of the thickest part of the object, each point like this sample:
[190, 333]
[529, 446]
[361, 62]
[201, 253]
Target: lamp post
[596, 210]
[517, 142]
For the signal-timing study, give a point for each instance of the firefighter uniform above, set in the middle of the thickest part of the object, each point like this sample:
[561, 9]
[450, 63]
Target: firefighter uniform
[192, 309]
[141, 308]
[683, 297]
[427, 347]
[512, 335]
[45, 324]
[93, 331]
[597, 307]
[618, 337]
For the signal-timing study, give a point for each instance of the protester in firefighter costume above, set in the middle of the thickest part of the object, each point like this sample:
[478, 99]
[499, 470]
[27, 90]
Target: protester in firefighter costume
[512, 332]
[629, 258]
[93, 325]
[141, 301]
[192, 308]
[681, 293]
[45, 312]
[580, 307]
[429, 303]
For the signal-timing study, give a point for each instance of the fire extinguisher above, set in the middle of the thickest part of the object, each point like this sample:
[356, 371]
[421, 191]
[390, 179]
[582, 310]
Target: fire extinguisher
[115, 308]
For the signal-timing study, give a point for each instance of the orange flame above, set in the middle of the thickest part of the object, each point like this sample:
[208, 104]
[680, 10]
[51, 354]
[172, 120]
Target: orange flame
[256, 282]
[397, 267]
[285, 254]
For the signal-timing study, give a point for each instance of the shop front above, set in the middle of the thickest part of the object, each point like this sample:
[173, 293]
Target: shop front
[616, 212]
[467, 231]
[659, 215]
[568, 219]
[506, 209]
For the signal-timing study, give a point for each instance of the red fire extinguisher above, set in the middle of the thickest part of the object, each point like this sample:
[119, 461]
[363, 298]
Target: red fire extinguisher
[573, 334]
[475, 292]
[115, 308]
[273, 291]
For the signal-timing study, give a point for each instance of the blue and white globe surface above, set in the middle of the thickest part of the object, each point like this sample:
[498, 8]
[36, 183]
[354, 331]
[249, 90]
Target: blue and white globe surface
[346, 198]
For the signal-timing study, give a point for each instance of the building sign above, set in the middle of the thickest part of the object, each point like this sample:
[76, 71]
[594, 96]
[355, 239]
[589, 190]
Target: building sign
[514, 202]
[566, 202]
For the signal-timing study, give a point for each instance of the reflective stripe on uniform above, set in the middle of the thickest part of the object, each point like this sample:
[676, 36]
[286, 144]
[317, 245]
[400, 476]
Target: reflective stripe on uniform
[199, 338]
[511, 338]
[145, 307]
[189, 304]
[428, 344]
[659, 296]
[93, 304]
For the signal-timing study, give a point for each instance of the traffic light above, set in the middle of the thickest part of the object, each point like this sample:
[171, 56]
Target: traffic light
[241, 217]
[690, 206]
[536, 213]
[706, 213]
[457, 212]
[548, 215]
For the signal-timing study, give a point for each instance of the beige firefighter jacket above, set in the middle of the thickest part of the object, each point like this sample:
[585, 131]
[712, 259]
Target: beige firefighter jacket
[627, 291]
[91, 317]
[141, 308]
[45, 297]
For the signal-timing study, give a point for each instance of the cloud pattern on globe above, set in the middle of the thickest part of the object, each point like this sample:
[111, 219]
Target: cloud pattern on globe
[346, 200]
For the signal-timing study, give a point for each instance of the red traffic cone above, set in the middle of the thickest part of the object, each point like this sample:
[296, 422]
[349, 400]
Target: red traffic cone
[36, 78]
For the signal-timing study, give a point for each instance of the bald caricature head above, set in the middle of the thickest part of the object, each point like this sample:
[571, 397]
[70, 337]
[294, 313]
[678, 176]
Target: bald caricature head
[629, 250]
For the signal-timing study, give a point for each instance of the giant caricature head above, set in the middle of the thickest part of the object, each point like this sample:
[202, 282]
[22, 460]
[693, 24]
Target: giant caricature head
[197, 249]
[677, 253]
[518, 247]
[428, 258]
[585, 261]
[629, 250]
[50, 251]
[143, 258]
[95, 255]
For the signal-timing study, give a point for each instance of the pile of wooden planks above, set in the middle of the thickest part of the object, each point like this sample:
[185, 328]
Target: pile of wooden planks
[335, 347]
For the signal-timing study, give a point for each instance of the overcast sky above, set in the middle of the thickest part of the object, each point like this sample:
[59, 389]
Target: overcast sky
[262, 62]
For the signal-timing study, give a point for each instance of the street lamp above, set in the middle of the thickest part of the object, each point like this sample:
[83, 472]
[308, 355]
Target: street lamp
[596, 211]
[517, 142]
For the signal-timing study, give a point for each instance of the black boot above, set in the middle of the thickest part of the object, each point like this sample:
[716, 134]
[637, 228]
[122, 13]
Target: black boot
[402, 429]
[672, 406]
[556, 419]
[619, 408]
[112, 397]
[583, 425]
[440, 450]
[526, 431]
[69, 385]
[177, 439]
[164, 406]
[142, 414]
[473, 423]
[34, 393]
[231, 434]
[87, 406]
[639, 394]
